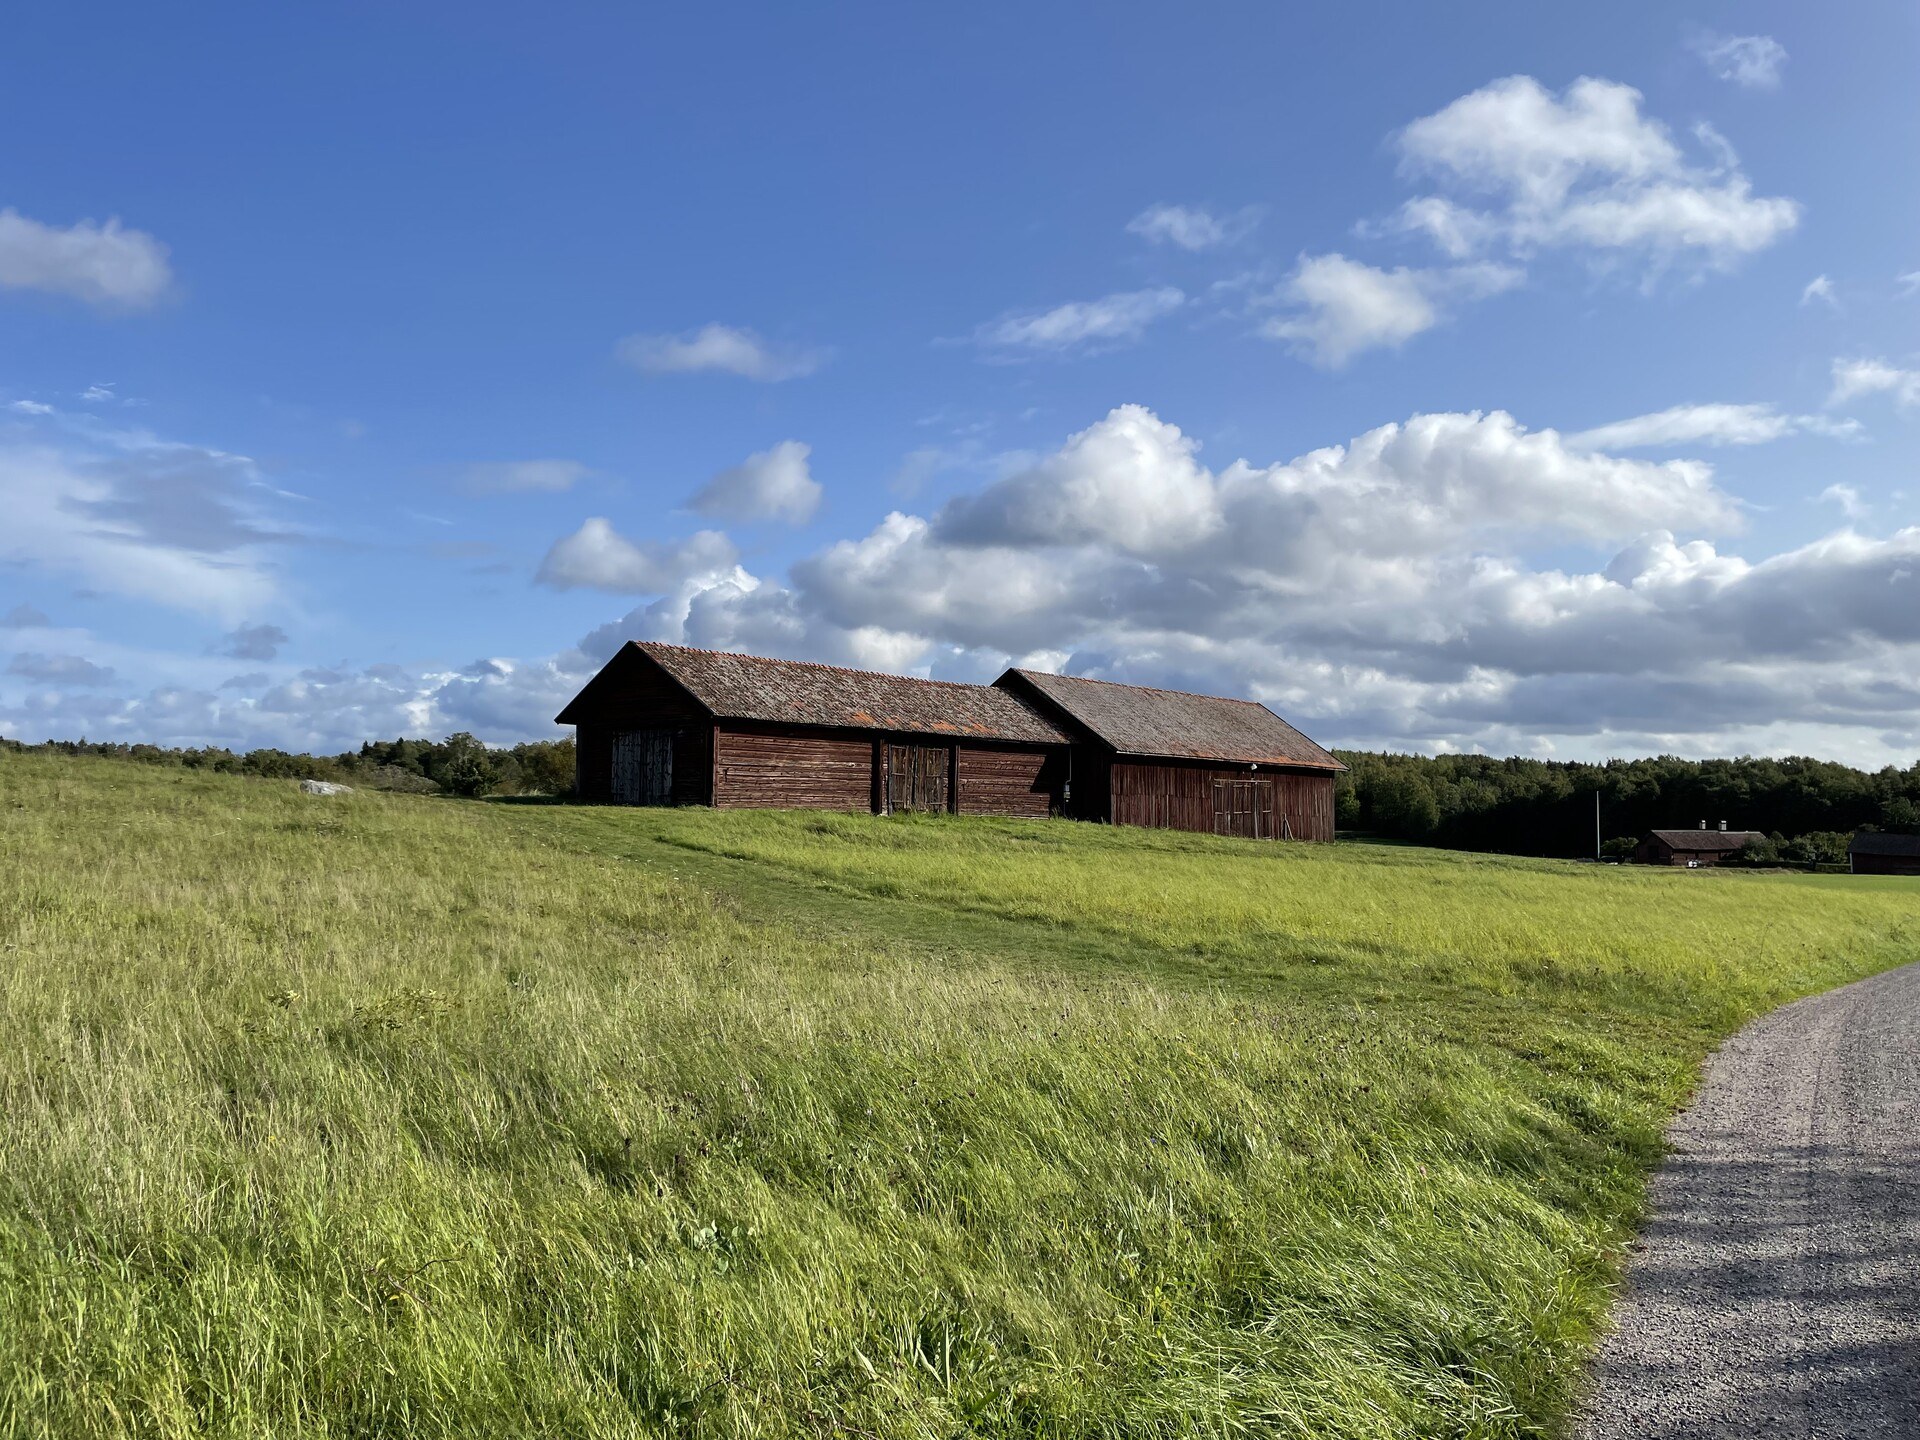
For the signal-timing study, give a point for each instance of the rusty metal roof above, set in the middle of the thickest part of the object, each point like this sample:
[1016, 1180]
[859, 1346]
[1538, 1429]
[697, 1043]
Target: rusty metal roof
[1136, 720]
[1708, 841]
[792, 692]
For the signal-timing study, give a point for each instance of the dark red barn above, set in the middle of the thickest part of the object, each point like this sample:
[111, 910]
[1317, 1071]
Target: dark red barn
[668, 725]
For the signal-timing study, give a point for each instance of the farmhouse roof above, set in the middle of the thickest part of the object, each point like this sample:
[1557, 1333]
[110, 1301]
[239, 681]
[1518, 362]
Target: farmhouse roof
[1873, 843]
[792, 692]
[1171, 724]
[1707, 841]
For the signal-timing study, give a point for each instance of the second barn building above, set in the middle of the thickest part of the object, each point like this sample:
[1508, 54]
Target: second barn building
[668, 725]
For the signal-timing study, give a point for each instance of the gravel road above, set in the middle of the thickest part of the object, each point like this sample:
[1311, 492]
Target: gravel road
[1778, 1290]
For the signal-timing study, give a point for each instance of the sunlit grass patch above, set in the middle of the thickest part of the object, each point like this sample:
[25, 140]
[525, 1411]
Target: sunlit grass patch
[386, 1115]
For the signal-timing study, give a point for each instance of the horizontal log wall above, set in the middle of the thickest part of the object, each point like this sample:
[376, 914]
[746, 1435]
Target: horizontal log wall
[792, 771]
[1002, 781]
[1176, 796]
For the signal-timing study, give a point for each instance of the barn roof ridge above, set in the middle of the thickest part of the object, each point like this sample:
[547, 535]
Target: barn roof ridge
[1183, 724]
[809, 664]
[1150, 689]
[736, 686]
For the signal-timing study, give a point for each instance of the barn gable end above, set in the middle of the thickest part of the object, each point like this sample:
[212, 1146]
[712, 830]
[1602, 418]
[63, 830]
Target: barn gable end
[1179, 761]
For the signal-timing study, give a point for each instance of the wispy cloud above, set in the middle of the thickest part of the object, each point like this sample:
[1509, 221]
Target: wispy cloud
[1819, 288]
[1855, 378]
[1848, 499]
[59, 669]
[510, 476]
[1753, 62]
[720, 350]
[1191, 227]
[1712, 424]
[1081, 325]
[106, 265]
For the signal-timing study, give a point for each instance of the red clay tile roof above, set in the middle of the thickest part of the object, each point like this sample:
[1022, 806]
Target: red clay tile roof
[1708, 841]
[791, 692]
[1136, 720]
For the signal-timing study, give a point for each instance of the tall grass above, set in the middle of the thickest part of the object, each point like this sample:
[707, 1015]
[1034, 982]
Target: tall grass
[385, 1115]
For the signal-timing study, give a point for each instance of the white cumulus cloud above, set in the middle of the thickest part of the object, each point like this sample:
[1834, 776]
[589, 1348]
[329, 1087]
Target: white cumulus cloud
[1582, 169]
[598, 557]
[772, 484]
[1340, 308]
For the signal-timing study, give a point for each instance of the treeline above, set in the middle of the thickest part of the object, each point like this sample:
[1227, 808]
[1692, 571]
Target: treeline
[1545, 807]
[458, 765]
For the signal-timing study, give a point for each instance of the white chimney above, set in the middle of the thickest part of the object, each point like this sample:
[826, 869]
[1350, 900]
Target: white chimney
[1703, 824]
[1723, 825]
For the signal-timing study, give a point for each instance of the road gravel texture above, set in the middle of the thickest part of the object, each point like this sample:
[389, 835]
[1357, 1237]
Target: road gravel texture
[1776, 1291]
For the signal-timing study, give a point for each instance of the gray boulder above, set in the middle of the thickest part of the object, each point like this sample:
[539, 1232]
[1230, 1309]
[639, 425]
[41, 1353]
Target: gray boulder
[325, 787]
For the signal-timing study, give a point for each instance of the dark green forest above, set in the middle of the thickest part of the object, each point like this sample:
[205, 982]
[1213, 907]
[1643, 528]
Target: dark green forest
[1545, 807]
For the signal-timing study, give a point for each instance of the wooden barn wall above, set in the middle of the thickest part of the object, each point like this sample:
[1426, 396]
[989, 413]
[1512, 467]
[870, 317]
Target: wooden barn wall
[636, 695]
[793, 770]
[1886, 865]
[1170, 795]
[1003, 780]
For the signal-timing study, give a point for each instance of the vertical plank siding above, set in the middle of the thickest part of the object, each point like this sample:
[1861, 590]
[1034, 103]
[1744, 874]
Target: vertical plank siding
[1272, 804]
[918, 777]
[639, 697]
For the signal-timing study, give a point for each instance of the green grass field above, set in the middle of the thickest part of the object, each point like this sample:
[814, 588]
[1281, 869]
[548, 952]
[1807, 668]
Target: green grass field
[398, 1116]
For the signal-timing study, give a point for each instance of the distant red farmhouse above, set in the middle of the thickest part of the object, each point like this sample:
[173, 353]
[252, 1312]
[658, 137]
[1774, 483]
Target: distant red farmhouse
[1694, 847]
[668, 725]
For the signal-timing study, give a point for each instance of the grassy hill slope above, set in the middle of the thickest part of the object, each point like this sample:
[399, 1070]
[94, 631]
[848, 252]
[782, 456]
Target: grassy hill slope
[388, 1115]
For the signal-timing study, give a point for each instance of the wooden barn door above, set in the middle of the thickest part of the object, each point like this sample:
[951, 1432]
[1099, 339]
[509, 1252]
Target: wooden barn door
[642, 767]
[1243, 808]
[917, 778]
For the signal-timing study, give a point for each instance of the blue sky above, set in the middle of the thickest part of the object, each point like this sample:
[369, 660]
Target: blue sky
[376, 369]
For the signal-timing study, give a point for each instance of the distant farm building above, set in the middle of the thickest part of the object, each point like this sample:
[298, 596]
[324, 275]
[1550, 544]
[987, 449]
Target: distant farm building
[1694, 847]
[668, 725]
[1875, 854]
